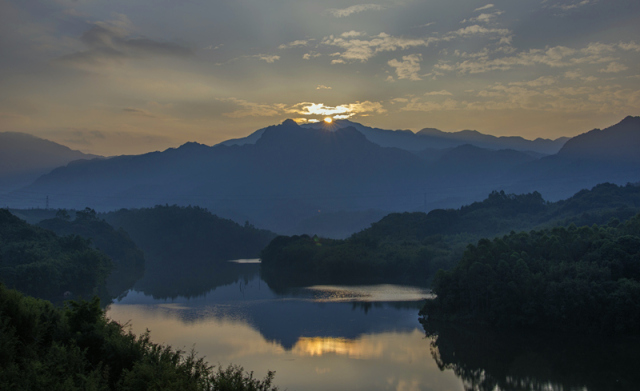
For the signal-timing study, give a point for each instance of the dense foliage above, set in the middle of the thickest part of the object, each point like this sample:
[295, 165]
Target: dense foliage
[39, 263]
[188, 233]
[78, 348]
[187, 248]
[411, 247]
[127, 258]
[585, 278]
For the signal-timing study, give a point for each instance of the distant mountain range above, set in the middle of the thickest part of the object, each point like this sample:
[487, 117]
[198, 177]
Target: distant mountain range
[284, 177]
[428, 138]
[23, 158]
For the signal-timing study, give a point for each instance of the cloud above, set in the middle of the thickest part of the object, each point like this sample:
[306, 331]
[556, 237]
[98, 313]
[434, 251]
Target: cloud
[424, 25]
[415, 104]
[359, 49]
[345, 110]
[555, 57]
[541, 81]
[266, 57]
[483, 18]
[88, 139]
[486, 7]
[565, 6]
[436, 93]
[538, 95]
[293, 44]
[629, 46]
[354, 9]
[76, 136]
[322, 87]
[614, 67]
[408, 68]
[351, 34]
[111, 41]
[139, 112]
[478, 30]
[250, 109]
[310, 55]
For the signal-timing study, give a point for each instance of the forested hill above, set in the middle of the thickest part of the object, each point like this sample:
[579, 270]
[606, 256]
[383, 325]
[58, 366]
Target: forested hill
[585, 278]
[128, 259]
[411, 247]
[189, 234]
[39, 263]
[501, 213]
[186, 248]
[78, 348]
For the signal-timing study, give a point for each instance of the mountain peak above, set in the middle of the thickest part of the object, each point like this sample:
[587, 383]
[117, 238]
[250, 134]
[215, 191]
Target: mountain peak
[289, 122]
[619, 142]
[630, 120]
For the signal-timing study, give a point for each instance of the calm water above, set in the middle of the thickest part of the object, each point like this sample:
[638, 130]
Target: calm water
[366, 338]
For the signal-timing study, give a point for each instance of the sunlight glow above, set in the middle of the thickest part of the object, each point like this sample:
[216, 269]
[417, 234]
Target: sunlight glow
[328, 120]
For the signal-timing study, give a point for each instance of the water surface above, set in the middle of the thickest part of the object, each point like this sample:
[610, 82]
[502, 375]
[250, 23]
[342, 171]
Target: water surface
[365, 338]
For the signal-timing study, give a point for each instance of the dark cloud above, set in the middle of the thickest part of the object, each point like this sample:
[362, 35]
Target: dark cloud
[76, 136]
[140, 112]
[106, 42]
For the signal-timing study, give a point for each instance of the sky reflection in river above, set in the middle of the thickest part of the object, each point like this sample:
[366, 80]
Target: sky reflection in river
[330, 344]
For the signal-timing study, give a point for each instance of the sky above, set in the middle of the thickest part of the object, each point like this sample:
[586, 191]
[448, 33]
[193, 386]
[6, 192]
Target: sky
[128, 77]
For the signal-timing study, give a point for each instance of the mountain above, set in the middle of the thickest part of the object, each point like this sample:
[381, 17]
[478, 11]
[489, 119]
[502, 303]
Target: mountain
[620, 142]
[24, 157]
[609, 155]
[294, 173]
[427, 138]
[473, 137]
[289, 174]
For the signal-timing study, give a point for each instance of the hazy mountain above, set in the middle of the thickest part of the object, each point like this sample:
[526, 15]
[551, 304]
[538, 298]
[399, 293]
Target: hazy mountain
[620, 142]
[293, 175]
[24, 157]
[473, 137]
[427, 138]
[609, 155]
[469, 160]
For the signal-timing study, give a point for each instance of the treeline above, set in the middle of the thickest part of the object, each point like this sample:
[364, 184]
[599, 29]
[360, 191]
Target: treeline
[585, 278]
[39, 263]
[411, 247]
[166, 250]
[172, 232]
[128, 260]
[78, 348]
[187, 248]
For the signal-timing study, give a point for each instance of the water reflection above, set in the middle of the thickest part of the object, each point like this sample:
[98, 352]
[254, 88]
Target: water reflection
[498, 360]
[368, 293]
[364, 338]
[390, 360]
[170, 281]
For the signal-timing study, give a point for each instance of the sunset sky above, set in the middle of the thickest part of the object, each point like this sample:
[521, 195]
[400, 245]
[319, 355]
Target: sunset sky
[122, 77]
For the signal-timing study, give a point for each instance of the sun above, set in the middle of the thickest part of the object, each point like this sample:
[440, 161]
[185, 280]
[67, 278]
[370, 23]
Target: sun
[328, 120]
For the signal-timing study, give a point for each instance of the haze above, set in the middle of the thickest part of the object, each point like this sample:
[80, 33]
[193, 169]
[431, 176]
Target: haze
[123, 77]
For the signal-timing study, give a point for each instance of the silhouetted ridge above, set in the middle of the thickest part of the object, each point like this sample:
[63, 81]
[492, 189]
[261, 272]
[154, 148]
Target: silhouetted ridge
[289, 122]
[620, 142]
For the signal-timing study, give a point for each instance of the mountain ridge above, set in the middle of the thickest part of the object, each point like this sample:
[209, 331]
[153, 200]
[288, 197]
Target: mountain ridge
[425, 138]
[24, 157]
[293, 173]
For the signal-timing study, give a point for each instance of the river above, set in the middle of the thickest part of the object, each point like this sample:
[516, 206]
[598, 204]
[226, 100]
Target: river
[365, 338]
